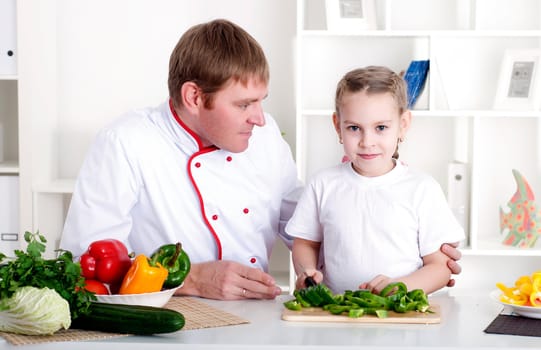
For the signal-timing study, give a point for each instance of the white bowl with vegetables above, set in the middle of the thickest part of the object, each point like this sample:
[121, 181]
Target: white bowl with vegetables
[157, 299]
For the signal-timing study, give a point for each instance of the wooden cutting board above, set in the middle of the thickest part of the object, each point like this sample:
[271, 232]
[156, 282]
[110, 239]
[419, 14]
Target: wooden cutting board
[315, 314]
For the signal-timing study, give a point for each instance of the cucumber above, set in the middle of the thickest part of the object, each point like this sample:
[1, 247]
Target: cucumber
[129, 319]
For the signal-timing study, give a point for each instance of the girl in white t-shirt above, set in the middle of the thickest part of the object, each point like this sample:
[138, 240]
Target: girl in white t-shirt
[372, 220]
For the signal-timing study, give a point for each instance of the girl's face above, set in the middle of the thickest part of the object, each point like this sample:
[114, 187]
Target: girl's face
[370, 126]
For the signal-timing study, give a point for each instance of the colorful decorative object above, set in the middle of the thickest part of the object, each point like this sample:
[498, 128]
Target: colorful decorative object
[522, 223]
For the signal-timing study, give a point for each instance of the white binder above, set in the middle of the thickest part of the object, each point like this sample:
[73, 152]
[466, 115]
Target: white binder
[1, 141]
[458, 193]
[10, 238]
[8, 38]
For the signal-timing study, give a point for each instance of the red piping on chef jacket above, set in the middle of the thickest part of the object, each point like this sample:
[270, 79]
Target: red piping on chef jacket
[202, 150]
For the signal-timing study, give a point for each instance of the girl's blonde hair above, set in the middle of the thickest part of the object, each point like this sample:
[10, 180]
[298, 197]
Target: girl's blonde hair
[373, 80]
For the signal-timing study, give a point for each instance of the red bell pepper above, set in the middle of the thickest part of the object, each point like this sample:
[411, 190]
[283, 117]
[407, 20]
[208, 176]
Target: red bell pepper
[106, 260]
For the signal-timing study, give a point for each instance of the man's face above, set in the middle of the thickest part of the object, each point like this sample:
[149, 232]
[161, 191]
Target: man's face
[235, 110]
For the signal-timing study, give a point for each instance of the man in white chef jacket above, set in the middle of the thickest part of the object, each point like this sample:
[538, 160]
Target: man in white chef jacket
[207, 168]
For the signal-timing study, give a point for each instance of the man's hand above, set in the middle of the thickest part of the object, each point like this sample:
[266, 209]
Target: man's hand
[450, 249]
[228, 280]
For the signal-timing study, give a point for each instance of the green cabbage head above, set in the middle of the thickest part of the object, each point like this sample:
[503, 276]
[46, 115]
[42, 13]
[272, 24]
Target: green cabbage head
[34, 311]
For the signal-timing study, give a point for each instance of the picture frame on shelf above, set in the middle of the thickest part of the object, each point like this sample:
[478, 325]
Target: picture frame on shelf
[519, 83]
[350, 16]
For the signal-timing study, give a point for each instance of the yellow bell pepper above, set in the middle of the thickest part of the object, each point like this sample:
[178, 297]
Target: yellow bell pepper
[535, 299]
[536, 284]
[143, 278]
[535, 296]
[524, 285]
[527, 291]
[512, 295]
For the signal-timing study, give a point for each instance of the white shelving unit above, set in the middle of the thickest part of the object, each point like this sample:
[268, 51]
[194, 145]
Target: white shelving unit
[9, 130]
[454, 120]
[9, 159]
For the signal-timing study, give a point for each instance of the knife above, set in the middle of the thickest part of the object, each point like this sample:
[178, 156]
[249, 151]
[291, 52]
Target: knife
[309, 282]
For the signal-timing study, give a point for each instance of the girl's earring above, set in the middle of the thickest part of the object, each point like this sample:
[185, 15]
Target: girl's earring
[341, 142]
[395, 155]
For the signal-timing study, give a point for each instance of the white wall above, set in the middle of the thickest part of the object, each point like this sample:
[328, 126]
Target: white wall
[113, 56]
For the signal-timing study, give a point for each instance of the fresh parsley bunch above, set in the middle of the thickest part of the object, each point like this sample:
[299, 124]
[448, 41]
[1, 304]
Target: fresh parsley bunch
[31, 269]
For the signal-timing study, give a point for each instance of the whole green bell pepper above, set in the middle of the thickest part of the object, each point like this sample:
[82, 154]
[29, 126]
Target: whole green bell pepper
[175, 260]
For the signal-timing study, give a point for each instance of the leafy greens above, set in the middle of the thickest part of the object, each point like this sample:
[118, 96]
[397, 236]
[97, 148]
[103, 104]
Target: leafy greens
[30, 269]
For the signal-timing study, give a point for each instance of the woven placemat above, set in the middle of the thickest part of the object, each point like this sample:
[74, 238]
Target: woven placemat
[197, 313]
[515, 325]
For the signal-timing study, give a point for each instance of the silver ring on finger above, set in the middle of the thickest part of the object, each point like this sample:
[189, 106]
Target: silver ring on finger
[243, 292]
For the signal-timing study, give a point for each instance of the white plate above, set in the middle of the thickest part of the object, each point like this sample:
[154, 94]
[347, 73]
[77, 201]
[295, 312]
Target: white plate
[526, 311]
[157, 299]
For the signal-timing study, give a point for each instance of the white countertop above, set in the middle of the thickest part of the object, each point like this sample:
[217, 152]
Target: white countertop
[464, 317]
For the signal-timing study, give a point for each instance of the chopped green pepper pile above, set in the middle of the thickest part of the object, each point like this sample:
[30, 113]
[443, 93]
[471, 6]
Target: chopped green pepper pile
[394, 297]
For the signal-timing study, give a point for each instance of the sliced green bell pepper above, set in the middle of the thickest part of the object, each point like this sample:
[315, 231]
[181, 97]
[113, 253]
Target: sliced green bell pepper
[394, 288]
[365, 298]
[393, 297]
[300, 299]
[293, 305]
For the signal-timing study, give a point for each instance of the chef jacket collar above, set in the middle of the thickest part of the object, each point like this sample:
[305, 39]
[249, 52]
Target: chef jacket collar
[188, 130]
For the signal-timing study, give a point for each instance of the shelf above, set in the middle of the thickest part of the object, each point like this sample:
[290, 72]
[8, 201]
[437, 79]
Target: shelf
[367, 33]
[429, 33]
[59, 186]
[8, 77]
[501, 252]
[446, 113]
[9, 167]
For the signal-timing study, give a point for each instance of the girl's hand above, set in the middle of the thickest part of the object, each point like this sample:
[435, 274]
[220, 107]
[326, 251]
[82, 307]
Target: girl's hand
[454, 254]
[377, 284]
[315, 274]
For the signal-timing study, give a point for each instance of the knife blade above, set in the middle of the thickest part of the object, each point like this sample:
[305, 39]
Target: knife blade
[309, 281]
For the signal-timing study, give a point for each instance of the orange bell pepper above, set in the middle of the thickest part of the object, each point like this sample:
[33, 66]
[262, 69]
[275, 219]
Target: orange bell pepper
[143, 277]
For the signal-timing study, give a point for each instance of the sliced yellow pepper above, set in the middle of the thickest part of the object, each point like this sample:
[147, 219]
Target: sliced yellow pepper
[535, 296]
[512, 295]
[527, 291]
[525, 288]
[519, 299]
[536, 274]
[523, 279]
[536, 285]
[143, 278]
[535, 299]
[524, 285]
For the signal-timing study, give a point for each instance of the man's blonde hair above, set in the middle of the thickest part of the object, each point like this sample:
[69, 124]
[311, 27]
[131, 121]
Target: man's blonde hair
[210, 55]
